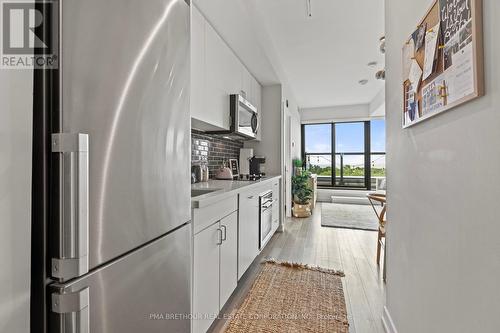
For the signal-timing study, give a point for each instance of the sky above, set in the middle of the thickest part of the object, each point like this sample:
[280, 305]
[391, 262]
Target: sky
[349, 138]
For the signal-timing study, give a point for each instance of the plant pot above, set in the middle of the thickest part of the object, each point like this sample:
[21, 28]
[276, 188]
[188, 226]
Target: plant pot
[301, 210]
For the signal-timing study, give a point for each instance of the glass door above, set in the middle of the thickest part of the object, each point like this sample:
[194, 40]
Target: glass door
[317, 148]
[350, 155]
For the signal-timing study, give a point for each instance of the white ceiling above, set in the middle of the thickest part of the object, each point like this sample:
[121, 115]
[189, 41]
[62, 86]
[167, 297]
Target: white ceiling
[321, 58]
[325, 56]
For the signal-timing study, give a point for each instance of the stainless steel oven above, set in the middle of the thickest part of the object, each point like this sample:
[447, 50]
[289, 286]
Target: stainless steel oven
[265, 218]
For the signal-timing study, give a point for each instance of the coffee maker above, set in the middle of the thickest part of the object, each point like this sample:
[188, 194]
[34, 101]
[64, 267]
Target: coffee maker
[256, 168]
[246, 154]
[250, 165]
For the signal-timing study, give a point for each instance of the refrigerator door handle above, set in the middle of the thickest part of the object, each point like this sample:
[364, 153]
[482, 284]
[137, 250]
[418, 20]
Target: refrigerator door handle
[73, 311]
[72, 260]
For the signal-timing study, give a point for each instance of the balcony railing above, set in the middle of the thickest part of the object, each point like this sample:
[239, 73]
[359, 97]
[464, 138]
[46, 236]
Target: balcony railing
[349, 169]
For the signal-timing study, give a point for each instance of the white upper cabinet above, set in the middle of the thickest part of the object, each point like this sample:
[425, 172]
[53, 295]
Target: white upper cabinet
[246, 83]
[222, 70]
[250, 86]
[216, 73]
[253, 91]
[257, 102]
[256, 93]
[197, 63]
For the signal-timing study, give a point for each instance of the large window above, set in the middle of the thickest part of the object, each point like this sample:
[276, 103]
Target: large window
[377, 148]
[318, 145]
[345, 154]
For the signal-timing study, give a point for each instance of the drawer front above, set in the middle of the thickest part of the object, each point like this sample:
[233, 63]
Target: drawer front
[276, 190]
[206, 216]
[276, 201]
[256, 191]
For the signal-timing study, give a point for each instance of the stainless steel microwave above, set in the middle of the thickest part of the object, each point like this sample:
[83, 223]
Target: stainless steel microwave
[244, 117]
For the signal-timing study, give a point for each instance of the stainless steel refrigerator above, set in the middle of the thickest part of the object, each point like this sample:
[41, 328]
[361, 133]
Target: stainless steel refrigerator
[117, 237]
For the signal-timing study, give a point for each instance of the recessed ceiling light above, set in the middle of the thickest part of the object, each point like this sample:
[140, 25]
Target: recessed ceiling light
[363, 82]
[372, 64]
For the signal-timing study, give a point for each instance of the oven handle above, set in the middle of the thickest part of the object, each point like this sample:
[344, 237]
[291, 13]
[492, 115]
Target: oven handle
[266, 207]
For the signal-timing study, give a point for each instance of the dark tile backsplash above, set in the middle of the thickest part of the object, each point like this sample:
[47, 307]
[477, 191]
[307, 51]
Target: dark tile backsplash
[213, 150]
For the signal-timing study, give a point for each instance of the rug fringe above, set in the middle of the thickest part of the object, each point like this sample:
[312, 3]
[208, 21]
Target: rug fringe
[304, 266]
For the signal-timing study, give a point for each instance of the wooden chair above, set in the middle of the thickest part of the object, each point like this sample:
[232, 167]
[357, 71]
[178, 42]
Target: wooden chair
[381, 199]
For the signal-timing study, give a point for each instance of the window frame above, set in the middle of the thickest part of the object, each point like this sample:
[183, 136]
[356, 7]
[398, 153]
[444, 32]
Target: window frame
[333, 154]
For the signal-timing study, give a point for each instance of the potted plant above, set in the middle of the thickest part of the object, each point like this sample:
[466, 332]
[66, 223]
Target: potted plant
[297, 164]
[302, 195]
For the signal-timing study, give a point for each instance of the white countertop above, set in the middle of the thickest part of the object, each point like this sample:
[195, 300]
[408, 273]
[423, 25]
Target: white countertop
[224, 189]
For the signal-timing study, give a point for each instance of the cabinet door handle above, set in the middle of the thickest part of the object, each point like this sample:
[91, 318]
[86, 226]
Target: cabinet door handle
[224, 236]
[219, 231]
[251, 197]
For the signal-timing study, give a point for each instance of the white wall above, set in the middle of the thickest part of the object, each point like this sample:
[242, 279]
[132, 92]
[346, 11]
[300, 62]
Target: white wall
[270, 144]
[335, 113]
[296, 137]
[293, 111]
[292, 143]
[443, 191]
[15, 198]
[377, 105]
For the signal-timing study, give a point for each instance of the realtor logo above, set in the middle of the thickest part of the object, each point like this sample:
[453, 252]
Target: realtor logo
[23, 43]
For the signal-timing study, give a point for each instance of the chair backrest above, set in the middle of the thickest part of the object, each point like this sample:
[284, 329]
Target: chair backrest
[380, 198]
[382, 215]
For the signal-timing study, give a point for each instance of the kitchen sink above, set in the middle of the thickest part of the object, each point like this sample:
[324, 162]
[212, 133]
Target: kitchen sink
[198, 192]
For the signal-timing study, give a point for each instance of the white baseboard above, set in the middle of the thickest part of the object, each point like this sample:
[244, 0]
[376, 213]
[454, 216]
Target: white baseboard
[387, 322]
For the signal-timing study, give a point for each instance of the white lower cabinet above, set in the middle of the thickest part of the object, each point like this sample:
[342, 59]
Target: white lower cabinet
[215, 274]
[248, 234]
[228, 258]
[206, 278]
[226, 242]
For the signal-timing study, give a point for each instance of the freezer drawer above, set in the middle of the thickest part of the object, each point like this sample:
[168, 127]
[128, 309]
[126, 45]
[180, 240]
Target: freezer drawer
[140, 292]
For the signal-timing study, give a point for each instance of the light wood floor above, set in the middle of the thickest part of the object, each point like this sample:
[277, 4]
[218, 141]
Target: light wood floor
[353, 251]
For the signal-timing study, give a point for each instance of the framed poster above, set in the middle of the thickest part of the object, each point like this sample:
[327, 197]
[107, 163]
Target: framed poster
[443, 64]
